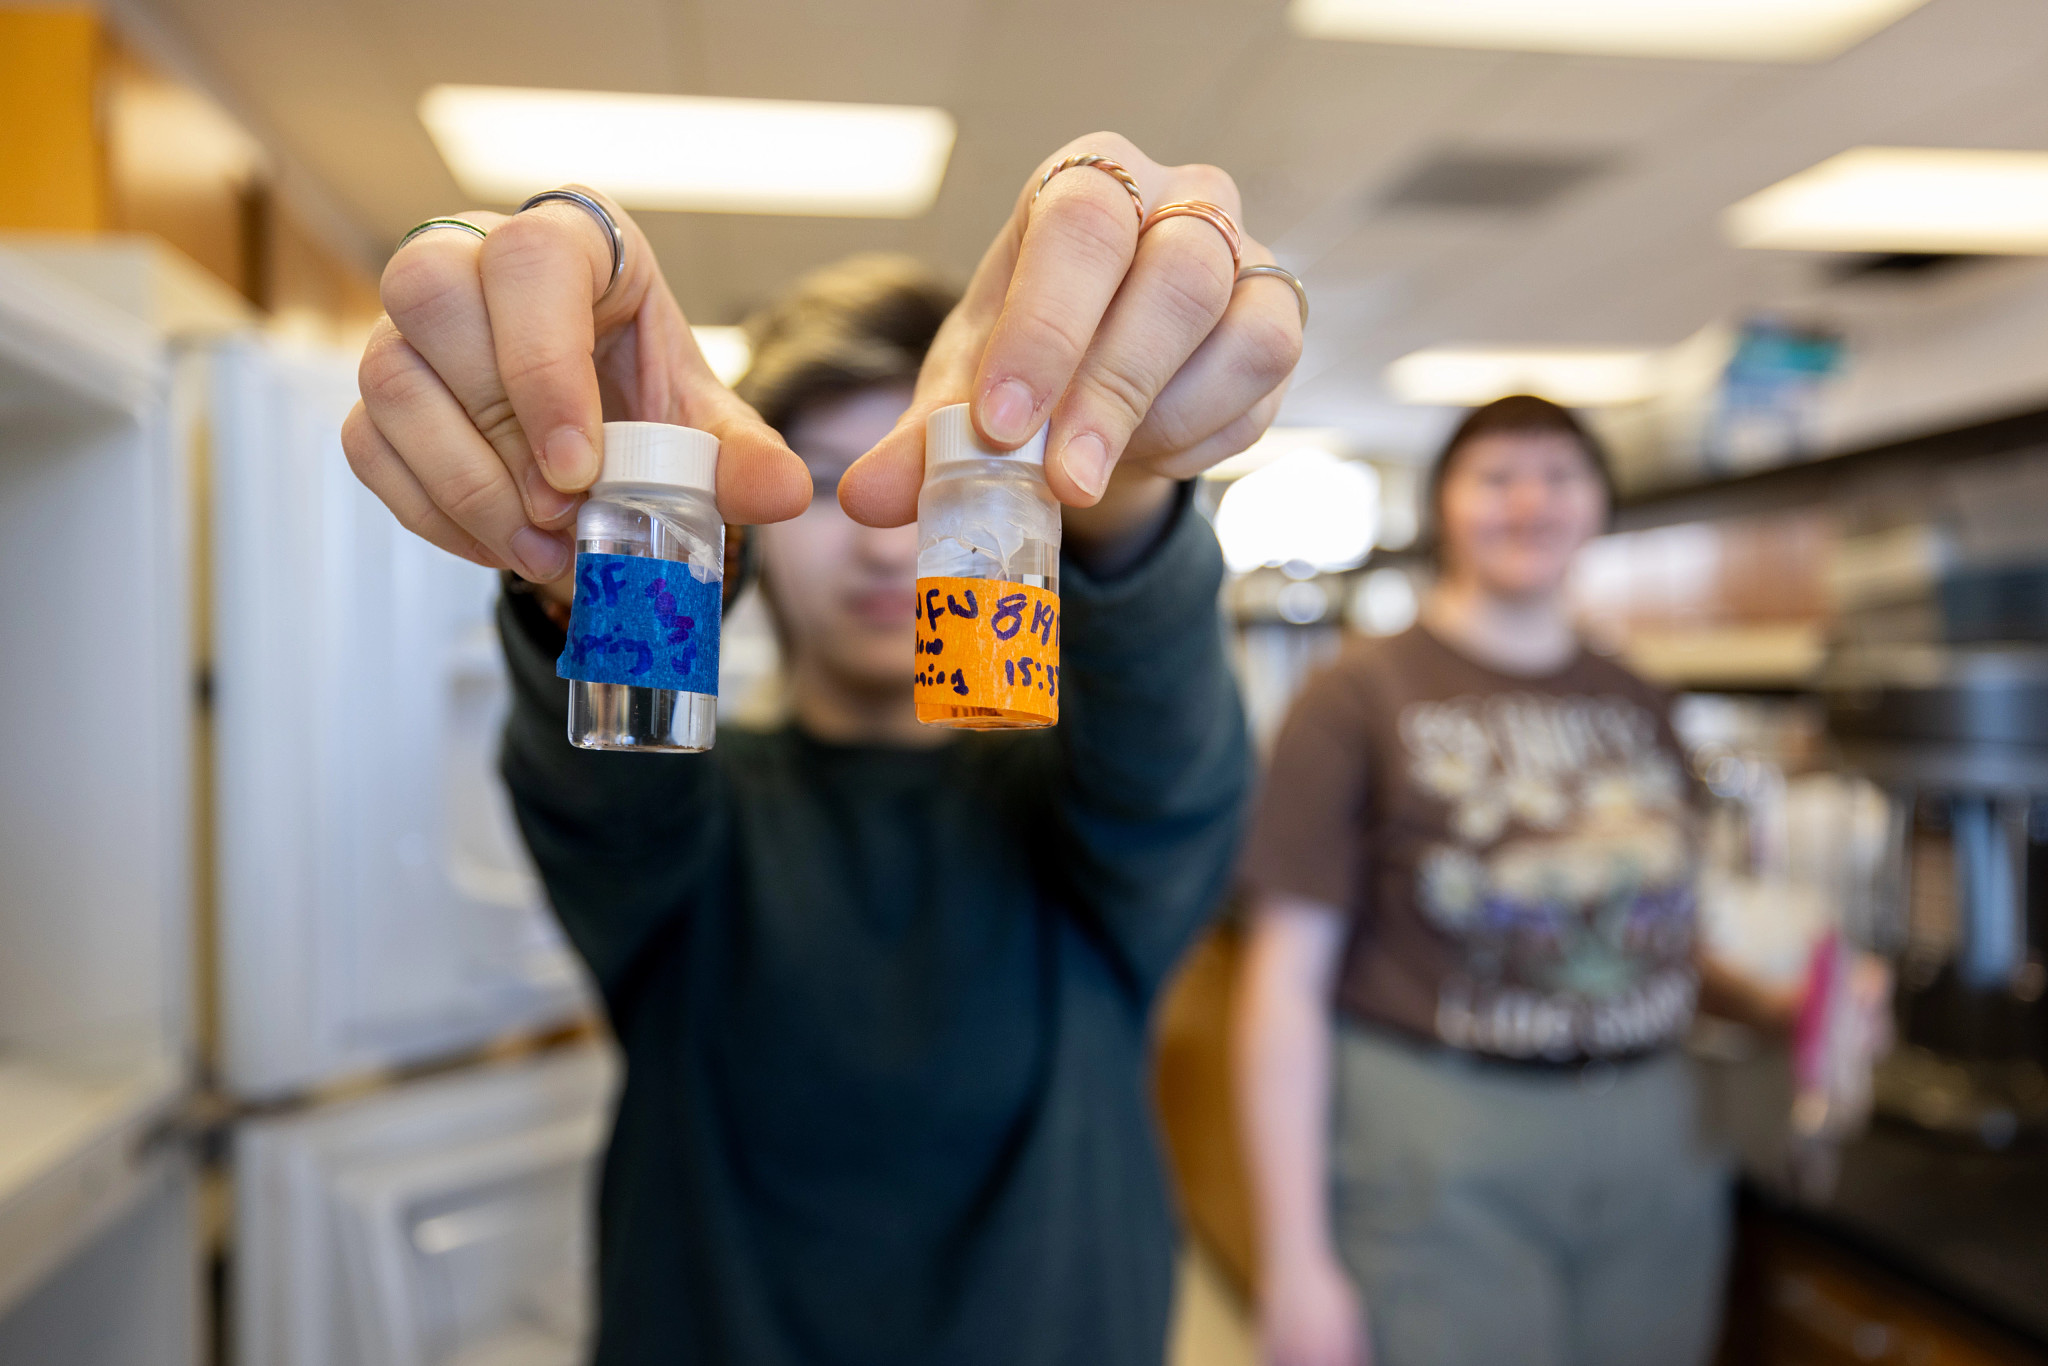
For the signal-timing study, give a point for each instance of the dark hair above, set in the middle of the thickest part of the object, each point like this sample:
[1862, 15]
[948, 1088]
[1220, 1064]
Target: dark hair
[1517, 414]
[856, 323]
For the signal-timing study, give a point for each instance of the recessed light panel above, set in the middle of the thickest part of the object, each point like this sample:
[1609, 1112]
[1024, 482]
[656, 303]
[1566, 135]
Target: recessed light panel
[1735, 30]
[1904, 199]
[693, 153]
[1575, 377]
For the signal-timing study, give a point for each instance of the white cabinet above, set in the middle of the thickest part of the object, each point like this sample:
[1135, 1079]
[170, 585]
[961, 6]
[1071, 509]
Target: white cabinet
[129, 1297]
[94, 749]
[376, 906]
[443, 1222]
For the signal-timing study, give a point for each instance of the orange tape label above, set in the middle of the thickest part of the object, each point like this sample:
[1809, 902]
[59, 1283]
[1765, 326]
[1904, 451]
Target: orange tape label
[987, 643]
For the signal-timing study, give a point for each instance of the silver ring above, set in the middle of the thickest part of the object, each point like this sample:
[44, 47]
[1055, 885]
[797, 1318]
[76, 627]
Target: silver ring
[1287, 277]
[604, 218]
[433, 223]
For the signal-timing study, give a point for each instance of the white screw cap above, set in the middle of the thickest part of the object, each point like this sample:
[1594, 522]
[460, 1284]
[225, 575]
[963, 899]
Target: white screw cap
[949, 435]
[659, 453]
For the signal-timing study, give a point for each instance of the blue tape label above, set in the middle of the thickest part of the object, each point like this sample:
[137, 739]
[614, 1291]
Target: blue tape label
[645, 622]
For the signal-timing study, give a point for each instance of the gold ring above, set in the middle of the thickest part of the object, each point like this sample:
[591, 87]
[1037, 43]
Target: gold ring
[1100, 163]
[433, 223]
[1286, 277]
[1209, 213]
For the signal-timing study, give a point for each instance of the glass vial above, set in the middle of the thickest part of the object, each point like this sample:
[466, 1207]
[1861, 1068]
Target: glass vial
[642, 650]
[988, 582]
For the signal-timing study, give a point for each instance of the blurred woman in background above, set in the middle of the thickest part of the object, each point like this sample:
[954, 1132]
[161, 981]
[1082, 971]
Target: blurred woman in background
[1473, 958]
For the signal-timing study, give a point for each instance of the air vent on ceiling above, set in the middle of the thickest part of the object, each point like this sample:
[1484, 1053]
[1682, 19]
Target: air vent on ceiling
[1491, 182]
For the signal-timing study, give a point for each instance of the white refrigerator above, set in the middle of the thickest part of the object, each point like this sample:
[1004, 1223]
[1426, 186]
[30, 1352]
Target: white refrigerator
[180, 537]
[378, 916]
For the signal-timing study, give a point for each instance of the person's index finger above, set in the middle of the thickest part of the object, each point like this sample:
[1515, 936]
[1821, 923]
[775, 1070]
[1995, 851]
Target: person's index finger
[1079, 238]
[542, 272]
[760, 479]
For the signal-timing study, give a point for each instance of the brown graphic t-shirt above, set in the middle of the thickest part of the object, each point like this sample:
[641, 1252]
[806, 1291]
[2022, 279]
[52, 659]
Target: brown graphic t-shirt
[1516, 853]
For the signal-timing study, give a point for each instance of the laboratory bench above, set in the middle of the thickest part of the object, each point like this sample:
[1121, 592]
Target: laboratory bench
[1924, 1251]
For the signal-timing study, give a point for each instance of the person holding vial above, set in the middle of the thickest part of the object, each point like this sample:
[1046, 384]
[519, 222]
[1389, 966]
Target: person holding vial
[882, 987]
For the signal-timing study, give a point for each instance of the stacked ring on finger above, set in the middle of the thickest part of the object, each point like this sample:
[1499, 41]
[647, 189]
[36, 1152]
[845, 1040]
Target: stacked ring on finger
[1286, 277]
[1105, 165]
[604, 219]
[1209, 213]
[430, 224]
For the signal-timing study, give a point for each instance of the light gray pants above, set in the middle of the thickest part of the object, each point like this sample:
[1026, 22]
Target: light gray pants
[1499, 1216]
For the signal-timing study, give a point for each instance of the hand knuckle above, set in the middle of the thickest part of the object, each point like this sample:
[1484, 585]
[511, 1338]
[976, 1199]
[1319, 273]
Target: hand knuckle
[418, 520]
[388, 376]
[525, 241]
[498, 422]
[1126, 391]
[1212, 183]
[422, 282]
[1270, 348]
[1051, 329]
[1103, 142]
[471, 494]
[1096, 228]
[1195, 288]
[541, 366]
[359, 451]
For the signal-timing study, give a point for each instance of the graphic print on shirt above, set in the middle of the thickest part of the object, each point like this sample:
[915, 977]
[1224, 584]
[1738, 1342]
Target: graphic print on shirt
[1568, 877]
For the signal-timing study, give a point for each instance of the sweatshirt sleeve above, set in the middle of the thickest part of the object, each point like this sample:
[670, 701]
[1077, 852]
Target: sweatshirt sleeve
[1152, 761]
[625, 843]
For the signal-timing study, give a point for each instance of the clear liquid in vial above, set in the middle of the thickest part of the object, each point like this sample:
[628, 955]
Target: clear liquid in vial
[620, 715]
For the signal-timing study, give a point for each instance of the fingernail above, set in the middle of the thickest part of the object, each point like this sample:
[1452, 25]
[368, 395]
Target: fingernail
[1006, 412]
[541, 557]
[570, 461]
[544, 502]
[1087, 462]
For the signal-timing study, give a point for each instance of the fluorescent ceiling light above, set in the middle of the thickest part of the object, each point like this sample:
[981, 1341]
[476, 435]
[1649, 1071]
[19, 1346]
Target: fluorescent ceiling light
[688, 152]
[1917, 199]
[1307, 507]
[726, 350]
[1735, 30]
[1576, 377]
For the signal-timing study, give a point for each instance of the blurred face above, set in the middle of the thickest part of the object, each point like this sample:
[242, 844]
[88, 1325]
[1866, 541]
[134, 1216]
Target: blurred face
[845, 594]
[1515, 508]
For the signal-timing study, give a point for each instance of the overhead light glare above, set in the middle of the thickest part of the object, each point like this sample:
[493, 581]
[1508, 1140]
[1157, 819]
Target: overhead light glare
[1904, 199]
[1277, 442]
[1308, 507]
[688, 152]
[1730, 30]
[726, 350]
[1575, 377]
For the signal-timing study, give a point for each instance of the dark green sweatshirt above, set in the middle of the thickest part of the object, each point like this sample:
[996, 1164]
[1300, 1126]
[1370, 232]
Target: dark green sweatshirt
[884, 1011]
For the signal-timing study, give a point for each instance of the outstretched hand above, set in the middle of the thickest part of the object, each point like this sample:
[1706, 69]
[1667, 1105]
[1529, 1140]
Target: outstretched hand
[486, 386]
[1142, 351]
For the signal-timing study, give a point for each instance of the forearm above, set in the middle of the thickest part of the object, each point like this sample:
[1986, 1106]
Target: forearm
[1732, 994]
[1149, 763]
[1283, 1066]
